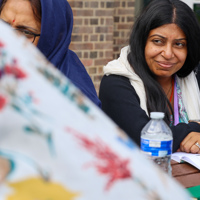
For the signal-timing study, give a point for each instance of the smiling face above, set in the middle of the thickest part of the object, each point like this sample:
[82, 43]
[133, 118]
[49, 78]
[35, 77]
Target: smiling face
[166, 50]
[19, 14]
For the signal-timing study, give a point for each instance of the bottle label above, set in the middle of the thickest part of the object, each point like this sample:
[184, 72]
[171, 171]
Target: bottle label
[156, 147]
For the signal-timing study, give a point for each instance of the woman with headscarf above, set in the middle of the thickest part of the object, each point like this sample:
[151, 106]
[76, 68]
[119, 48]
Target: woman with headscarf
[48, 25]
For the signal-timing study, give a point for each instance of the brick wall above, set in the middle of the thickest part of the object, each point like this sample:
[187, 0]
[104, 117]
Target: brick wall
[123, 22]
[101, 29]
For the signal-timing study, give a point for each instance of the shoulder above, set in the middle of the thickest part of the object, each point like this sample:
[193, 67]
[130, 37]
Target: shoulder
[117, 87]
[122, 104]
[114, 80]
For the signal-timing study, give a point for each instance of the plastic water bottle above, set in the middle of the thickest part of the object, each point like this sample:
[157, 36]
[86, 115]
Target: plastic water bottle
[156, 141]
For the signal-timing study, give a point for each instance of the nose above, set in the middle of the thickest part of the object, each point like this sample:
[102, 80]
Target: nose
[167, 52]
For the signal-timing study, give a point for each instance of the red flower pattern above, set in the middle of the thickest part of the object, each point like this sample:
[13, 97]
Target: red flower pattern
[2, 102]
[1, 44]
[16, 71]
[109, 162]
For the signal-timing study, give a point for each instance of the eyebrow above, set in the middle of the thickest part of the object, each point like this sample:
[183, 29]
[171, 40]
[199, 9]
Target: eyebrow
[26, 27]
[21, 26]
[165, 37]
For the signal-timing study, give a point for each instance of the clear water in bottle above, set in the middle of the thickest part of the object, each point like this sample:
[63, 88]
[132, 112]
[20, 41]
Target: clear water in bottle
[156, 141]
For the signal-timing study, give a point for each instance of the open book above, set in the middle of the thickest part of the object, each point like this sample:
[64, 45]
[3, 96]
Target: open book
[193, 159]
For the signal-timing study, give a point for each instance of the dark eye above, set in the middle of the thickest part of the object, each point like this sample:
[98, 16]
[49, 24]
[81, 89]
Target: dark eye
[157, 41]
[180, 44]
[26, 33]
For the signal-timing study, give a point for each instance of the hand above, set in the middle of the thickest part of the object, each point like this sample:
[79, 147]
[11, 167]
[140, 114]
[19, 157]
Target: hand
[188, 144]
[4, 168]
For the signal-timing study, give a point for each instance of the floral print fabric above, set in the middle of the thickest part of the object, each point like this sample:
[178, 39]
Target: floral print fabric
[61, 145]
[183, 117]
[181, 112]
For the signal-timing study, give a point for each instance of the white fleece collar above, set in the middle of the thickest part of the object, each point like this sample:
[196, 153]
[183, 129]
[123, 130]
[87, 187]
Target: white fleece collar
[188, 85]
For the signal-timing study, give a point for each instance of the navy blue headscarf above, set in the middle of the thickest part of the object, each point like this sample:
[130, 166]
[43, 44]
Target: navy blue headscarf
[56, 30]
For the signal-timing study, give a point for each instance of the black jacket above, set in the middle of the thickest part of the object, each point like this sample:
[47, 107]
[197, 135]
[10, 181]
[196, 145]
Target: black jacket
[122, 104]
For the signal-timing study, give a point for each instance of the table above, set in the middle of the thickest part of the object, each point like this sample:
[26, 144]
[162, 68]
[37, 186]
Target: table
[185, 174]
[188, 176]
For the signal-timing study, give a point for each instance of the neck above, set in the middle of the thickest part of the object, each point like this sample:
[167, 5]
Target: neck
[166, 84]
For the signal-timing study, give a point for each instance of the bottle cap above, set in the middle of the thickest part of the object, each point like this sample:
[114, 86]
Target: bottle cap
[157, 115]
